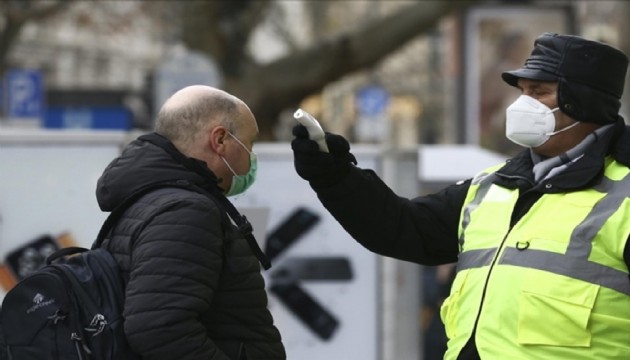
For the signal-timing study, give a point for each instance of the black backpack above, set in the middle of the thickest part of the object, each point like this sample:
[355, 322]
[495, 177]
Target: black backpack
[70, 309]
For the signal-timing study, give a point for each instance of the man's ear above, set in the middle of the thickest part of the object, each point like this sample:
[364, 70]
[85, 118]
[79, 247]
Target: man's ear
[216, 139]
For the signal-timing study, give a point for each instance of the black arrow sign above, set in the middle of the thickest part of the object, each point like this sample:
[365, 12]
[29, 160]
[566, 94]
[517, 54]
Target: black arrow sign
[289, 231]
[290, 271]
[296, 269]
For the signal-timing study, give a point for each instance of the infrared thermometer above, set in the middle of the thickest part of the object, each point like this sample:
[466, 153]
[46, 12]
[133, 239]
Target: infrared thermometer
[315, 131]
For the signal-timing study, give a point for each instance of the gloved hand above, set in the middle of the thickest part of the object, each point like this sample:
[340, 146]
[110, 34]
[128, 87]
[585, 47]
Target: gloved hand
[320, 169]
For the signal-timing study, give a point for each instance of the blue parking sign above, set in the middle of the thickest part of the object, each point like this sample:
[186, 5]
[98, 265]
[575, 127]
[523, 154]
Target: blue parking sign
[372, 100]
[23, 94]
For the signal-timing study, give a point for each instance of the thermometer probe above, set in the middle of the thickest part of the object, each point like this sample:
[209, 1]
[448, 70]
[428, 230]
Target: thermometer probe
[315, 131]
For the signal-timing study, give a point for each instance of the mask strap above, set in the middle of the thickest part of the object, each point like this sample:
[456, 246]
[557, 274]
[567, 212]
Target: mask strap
[239, 141]
[229, 167]
[563, 129]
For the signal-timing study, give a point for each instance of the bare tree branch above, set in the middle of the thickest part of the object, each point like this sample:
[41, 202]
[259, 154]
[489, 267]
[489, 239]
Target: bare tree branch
[274, 87]
[223, 29]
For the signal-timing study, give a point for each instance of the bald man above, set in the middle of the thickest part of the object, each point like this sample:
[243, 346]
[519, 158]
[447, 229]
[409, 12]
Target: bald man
[194, 289]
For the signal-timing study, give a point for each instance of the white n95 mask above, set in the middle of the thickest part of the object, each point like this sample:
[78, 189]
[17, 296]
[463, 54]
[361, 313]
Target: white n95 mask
[530, 123]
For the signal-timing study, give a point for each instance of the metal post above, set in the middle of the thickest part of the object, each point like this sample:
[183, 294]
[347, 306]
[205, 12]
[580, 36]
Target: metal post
[400, 281]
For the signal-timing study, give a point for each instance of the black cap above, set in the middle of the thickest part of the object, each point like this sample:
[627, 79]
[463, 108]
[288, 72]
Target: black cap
[591, 75]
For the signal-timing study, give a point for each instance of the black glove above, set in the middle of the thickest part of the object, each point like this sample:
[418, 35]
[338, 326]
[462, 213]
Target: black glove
[317, 167]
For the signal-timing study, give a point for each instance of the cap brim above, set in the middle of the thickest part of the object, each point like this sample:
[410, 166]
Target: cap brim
[511, 77]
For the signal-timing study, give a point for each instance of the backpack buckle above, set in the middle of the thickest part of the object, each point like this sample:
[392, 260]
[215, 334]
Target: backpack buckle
[244, 226]
[97, 325]
[57, 316]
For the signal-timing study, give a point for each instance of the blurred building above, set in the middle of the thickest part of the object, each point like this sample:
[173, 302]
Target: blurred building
[114, 47]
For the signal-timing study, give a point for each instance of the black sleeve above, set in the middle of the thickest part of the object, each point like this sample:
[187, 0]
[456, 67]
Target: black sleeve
[423, 230]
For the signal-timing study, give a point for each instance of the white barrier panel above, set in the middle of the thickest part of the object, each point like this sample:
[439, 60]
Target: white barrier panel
[324, 262]
[322, 286]
[47, 182]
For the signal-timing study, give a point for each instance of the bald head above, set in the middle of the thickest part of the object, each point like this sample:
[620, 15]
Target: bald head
[191, 111]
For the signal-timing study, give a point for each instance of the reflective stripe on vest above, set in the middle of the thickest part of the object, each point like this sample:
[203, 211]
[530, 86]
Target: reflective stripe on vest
[574, 263]
[484, 180]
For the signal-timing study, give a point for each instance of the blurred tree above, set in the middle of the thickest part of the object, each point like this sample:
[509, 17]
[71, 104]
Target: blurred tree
[14, 14]
[222, 30]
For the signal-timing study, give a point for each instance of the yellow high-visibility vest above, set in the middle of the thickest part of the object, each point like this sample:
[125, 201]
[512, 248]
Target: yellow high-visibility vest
[552, 286]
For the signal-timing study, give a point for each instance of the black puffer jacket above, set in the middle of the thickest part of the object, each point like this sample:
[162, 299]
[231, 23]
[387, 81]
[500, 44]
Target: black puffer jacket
[194, 288]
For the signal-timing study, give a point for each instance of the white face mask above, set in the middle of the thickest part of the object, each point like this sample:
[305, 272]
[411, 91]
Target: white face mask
[530, 123]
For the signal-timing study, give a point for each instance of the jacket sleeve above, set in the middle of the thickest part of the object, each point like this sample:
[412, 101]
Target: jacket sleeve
[423, 230]
[175, 267]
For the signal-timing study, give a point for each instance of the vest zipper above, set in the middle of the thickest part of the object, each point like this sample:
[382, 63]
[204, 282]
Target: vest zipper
[513, 221]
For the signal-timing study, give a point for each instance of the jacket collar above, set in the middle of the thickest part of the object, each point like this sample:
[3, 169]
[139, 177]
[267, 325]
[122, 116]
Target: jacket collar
[585, 172]
[195, 165]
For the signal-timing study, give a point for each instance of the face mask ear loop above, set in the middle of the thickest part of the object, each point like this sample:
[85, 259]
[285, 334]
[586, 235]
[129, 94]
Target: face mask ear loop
[244, 147]
[563, 129]
[240, 142]
[228, 165]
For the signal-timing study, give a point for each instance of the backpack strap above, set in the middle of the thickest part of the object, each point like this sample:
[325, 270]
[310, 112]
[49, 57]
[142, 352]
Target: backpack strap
[243, 225]
[70, 250]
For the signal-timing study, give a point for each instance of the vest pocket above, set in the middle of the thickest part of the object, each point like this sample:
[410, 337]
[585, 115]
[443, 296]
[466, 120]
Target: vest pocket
[449, 310]
[447, 314]
[558, 316]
